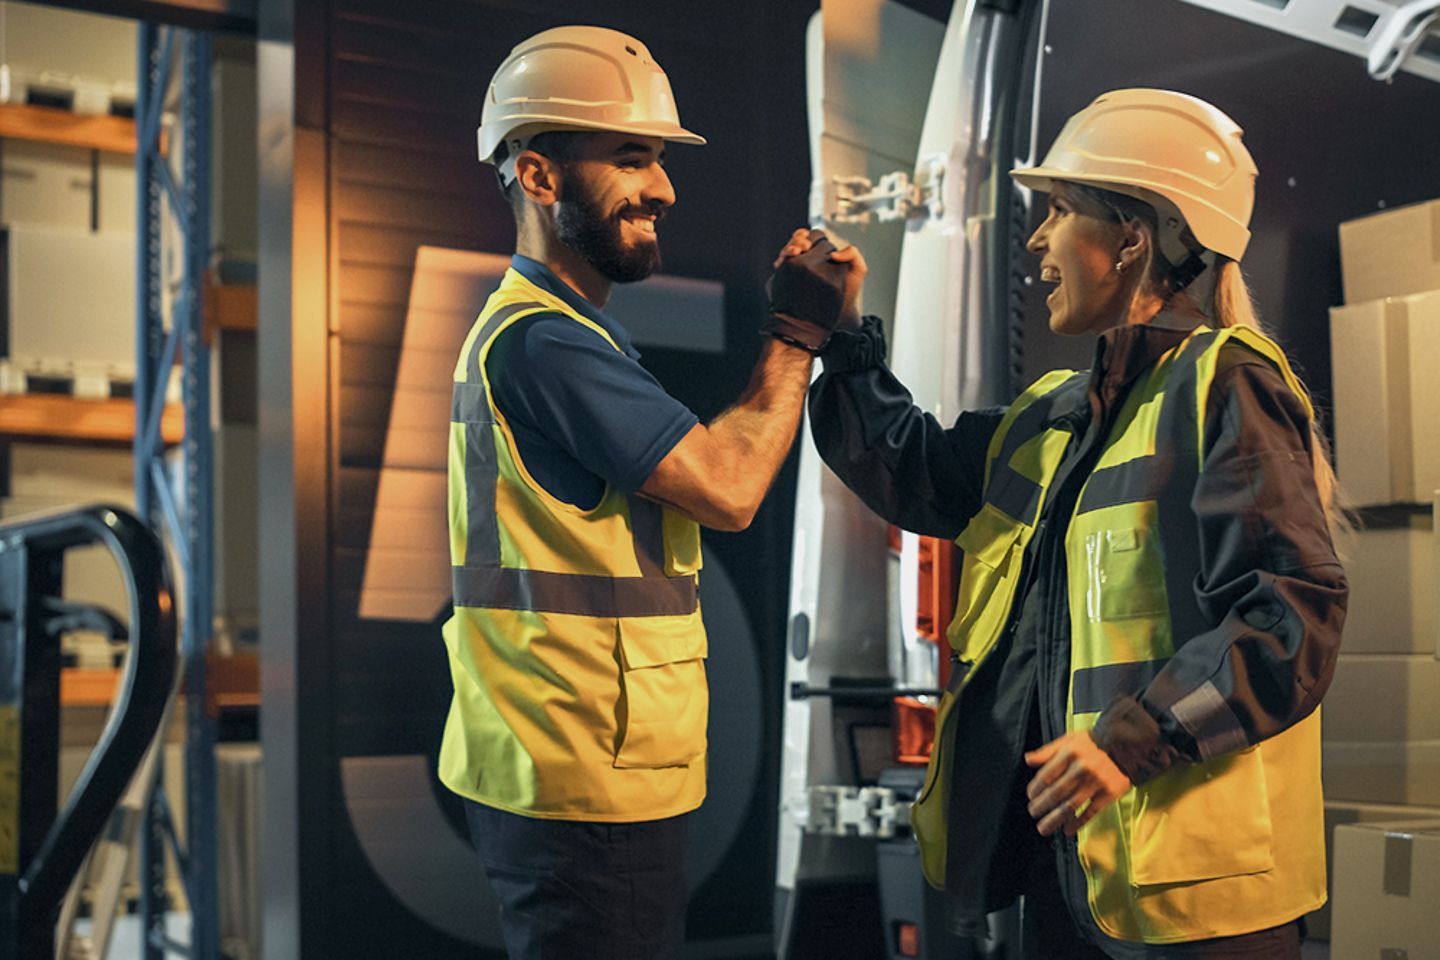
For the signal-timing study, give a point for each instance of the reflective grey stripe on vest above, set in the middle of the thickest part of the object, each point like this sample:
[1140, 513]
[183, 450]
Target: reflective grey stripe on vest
[482, 582]
[1177, 442]
[647, 529]
[574, 593]
[1092, 688]
[1007, 490]
[1014, 495]
[470, 405]
[1187, 690]
[1132, 482]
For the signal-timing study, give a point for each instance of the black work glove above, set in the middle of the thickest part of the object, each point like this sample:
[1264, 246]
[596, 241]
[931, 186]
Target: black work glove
[808, 297]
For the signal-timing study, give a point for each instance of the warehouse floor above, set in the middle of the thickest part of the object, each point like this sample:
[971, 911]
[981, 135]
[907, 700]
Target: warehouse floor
[125, 945]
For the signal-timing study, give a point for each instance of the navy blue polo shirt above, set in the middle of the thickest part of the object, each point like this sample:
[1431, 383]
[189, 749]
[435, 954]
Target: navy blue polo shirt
[583, 414]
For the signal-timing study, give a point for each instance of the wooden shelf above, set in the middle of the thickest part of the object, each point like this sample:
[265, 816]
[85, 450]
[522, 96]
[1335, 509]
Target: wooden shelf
[38, 416]
[51, 125]
[234, 683]
[231, 306]
[87, 687]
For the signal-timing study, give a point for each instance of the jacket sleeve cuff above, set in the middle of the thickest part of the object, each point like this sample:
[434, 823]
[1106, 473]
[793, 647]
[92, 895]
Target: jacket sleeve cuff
[856, 349]
[1132, 738]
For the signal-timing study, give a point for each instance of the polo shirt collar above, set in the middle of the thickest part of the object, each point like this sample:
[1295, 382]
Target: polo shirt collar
[541, 275]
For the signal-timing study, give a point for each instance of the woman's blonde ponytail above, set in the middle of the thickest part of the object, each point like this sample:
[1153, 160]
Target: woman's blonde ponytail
[1234, 307]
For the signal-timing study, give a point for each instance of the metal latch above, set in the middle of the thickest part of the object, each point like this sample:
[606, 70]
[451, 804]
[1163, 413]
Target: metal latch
[1398, 34]
[895, 197]
[852, 812]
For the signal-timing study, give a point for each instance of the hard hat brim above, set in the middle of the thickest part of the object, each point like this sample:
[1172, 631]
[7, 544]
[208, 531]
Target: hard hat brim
[1210, 227]
[540, 123]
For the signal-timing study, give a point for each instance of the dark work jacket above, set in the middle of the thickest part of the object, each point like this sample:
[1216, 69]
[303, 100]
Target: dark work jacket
[1269, 582]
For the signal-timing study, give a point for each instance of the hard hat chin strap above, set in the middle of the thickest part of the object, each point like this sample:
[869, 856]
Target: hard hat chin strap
[1184, 273]
[1187, 259]
[512, 147]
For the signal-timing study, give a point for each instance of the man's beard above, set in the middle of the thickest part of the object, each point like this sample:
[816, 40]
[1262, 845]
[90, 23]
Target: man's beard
[582, 226]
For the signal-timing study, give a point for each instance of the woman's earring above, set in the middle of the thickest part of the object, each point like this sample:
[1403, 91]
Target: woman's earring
[1119, 266]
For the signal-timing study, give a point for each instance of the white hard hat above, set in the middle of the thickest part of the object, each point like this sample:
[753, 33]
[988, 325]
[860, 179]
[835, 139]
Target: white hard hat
[577, 78]
[1176, 152]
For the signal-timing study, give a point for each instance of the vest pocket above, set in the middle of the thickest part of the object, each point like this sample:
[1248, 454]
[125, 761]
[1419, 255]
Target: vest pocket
[1124, 574]
[1202, 821]
[664, 702]
[989, 575]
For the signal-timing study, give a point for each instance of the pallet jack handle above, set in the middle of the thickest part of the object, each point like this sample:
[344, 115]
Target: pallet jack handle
[36, 544]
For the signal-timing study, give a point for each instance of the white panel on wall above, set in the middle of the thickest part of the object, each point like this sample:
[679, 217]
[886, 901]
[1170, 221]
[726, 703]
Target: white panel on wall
[675, 312]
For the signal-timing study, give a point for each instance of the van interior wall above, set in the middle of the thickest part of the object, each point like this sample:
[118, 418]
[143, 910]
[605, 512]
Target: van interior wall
[1331, 144]
[406, 85]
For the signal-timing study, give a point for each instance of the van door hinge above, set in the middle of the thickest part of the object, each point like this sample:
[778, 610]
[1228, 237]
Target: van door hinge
[896, 196]
[852, 812]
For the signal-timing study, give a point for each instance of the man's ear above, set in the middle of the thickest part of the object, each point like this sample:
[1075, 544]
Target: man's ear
[538, 177]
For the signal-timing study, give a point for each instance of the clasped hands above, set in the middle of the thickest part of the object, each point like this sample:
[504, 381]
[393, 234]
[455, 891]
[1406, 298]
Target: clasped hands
[1076, 780]
[814, 291]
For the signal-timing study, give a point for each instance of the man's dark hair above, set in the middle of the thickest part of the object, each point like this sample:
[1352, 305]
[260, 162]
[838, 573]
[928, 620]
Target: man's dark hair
[560, 146]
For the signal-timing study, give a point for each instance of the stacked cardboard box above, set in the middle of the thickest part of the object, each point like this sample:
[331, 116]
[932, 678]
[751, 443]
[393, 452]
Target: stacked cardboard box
[1381, 727]
[1385, 903]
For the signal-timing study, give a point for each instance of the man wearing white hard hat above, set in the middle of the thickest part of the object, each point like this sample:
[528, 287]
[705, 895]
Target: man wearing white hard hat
[578, 487]
[1150, 603]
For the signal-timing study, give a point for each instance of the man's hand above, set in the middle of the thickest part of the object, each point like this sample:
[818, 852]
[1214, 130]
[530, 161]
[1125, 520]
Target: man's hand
[1076, 780]
[814, 291]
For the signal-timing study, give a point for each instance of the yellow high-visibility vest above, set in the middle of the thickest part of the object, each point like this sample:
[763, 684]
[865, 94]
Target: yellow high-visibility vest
[577, 650]
[1218, 848]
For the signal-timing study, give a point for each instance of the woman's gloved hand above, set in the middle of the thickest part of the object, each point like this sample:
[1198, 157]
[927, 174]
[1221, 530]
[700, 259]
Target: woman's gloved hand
[814, 291]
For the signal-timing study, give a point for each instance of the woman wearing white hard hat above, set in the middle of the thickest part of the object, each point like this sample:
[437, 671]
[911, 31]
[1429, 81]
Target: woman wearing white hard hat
[1150, 603]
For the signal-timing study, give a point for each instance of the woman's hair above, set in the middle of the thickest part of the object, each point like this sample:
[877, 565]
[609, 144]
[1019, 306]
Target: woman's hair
[1224, 300]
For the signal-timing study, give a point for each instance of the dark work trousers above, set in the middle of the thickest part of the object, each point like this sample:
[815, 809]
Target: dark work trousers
[1049, 933]
[570, 889]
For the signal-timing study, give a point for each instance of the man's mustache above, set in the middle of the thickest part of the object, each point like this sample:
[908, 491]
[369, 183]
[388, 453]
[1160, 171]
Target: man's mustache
[658, 210]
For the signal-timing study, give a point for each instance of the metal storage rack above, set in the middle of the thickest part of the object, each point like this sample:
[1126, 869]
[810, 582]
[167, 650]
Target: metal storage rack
[185, 511]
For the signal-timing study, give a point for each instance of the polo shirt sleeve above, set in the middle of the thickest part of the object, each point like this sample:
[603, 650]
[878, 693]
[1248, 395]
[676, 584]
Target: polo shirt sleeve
[598, 405]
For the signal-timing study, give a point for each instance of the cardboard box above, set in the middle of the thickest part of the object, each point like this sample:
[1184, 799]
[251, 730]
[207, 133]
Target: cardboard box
[1386, 886]
[1318, 924]
[1398, 773]
[1391, 254]
[1391, 564]
[1385, 354]
[1383, 698]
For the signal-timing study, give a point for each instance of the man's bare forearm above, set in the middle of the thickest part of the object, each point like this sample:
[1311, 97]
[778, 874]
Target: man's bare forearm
[757, 432]
[718, 474]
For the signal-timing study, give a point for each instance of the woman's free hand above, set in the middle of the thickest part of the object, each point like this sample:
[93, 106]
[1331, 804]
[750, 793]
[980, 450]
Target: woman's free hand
[1076, 780]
